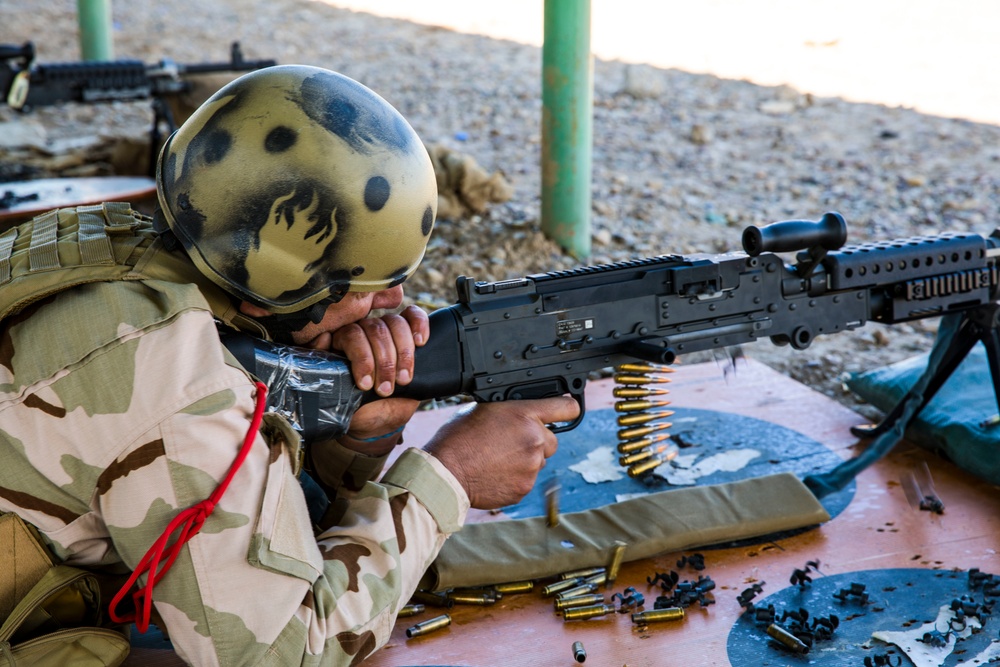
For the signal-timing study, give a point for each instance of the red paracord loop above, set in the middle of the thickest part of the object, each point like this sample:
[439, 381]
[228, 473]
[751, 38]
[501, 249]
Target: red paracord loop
[189, 522]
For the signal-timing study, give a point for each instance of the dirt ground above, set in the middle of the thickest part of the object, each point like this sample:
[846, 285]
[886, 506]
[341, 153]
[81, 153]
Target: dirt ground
[708, 117]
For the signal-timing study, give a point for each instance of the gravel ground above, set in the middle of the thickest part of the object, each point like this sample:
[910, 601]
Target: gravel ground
[682, 161]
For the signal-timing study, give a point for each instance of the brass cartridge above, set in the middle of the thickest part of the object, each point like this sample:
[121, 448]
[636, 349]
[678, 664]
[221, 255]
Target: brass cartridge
[643, 368]
[643, 418]
[582, 589]
[634, 457]
[468, 598]
[635, 406]
[643, 467]
[559, 586]
[592, 611]
[617, 556]
[579, 601]
[432, 599]
[515, 587]
[638, 392]
[786, 638]
[582, 574]
[411, 610]
[579, 653]
[428, 626]
[640, 379]
[633, 445]
[641, 431]
[597, 579]
[655, 615]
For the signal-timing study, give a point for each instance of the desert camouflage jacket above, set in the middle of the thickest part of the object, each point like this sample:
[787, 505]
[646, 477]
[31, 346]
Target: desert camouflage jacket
[119, 408]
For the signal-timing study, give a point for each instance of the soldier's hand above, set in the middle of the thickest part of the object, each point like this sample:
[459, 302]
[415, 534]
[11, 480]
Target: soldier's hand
[496, 450]
[381, 349]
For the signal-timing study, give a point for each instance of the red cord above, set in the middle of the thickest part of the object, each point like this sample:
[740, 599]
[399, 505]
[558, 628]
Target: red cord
[190, 522]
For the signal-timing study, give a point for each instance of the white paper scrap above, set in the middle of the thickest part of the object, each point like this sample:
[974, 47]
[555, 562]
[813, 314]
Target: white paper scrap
[728, 461]
[601, 465]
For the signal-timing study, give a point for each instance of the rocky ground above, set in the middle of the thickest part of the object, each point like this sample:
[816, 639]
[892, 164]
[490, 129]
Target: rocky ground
[682, 162]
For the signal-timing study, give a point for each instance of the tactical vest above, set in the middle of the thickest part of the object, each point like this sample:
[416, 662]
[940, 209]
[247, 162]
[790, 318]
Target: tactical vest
[68, 247]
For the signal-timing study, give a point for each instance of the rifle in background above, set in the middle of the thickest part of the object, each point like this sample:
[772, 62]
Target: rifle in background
[26, 84]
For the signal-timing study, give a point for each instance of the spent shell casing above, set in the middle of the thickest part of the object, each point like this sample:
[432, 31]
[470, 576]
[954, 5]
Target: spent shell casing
[581, 574]
[597, 579]
[592, 611]
[428, 626]
[640, 379]
[643, 418]
[634, 406]
[579, 653]
[638, 392]
[582, 589]
[643, 368]
[579, 601]
[432, 599]
[559, 586]
[615, 563]
[656, 615]
[787, 639]
[515, 587]
[641, 431]
[552, 503]
[635, 457]
[468, 598]
[411, 610]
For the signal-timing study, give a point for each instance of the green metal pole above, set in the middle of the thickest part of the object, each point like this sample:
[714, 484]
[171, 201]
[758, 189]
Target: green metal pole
[567, 135]
[94, 17]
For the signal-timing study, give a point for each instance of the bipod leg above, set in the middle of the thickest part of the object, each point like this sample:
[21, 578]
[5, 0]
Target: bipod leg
[956, 336]
[924, 389]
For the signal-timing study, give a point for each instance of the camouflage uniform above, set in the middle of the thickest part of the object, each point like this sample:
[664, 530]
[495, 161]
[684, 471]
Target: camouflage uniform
[119, 408]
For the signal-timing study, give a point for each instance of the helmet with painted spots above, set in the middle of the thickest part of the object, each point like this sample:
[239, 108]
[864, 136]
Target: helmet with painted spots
[293, 185]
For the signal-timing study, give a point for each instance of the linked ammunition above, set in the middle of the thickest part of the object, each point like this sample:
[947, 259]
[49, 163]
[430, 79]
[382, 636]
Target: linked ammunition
[643, 467]
[656, 615]
[428, 626]
[582, 574]
[559, 586]
[582, 613]
[638, 392]
[633, 445]
[643, 418]
[640, 379]
[787, 639]
[635, 406]
[515, 587]
[411, 610]
[617, 556]
[582, 589]
[641, 431]
[579, 653]
[634, 457]
[579, 601]
[643, 368]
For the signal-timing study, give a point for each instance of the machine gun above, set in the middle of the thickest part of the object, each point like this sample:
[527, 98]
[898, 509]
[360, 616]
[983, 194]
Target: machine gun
[26, 84]
[542, 335]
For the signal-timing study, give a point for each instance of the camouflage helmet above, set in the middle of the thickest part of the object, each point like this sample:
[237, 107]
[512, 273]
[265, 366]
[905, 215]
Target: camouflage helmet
[294, 184]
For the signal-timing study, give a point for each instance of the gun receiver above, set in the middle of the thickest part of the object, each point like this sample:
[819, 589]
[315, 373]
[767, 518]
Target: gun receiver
[544, 334]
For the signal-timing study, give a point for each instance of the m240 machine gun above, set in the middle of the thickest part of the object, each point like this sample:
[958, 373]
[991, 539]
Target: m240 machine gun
[542, 335]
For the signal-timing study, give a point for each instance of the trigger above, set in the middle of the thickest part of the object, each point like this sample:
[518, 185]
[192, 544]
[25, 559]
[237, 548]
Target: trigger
[561, 427]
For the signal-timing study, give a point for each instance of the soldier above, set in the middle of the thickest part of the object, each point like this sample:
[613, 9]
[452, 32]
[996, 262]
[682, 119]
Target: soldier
[292, 204]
